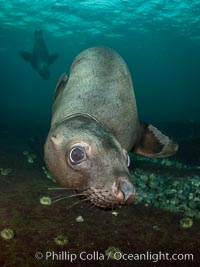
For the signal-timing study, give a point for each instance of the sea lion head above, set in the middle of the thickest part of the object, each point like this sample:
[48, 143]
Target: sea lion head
[43, 70]
[85, 157]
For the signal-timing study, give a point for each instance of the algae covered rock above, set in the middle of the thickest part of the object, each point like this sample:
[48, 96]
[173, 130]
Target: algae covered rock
[7, 233]
[186, 222]
[61, 240]
[29, 156]
[45, 201]
[168, 192]
[47, 174]
[5, 172]
[113, 253]
[79, 219]
[115, 213]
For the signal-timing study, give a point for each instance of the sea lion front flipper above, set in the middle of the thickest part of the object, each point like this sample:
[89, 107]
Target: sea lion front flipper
[61, 84]
[26, 56]
[52, 58]
[153, 143]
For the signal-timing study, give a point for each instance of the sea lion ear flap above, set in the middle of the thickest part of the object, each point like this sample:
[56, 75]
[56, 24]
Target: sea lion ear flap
[60, 85]
[153, 143]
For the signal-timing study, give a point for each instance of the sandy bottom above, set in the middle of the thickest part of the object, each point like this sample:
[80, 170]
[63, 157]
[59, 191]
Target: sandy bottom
[136, 229]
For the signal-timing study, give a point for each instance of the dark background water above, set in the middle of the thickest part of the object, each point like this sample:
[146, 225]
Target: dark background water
[159, 41]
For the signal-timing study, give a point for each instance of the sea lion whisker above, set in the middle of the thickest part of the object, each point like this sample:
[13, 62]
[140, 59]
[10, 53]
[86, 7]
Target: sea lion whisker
[92, 206]
[65, 197]
[63, 188]
[57, 188]
[78, 202]
[68, 195]
[59, 196]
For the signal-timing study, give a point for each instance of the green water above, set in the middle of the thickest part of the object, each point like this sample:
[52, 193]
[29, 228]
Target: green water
[158, 39]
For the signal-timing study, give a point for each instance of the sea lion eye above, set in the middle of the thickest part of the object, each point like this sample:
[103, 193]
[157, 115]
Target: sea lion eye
[128, 161]
[77, 154]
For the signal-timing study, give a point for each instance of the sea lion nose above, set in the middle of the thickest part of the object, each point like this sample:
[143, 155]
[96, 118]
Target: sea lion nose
[128, 191]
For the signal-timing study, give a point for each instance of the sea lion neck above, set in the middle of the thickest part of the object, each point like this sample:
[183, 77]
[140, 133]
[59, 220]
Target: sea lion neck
[78, 116]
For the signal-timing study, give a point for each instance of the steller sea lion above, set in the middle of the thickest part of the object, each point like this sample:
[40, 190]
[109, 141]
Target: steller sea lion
[39, 58]
[94, 126]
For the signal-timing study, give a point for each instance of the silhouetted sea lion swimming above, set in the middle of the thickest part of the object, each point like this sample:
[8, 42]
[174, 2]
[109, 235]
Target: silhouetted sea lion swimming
[94, 124]
[39, 58]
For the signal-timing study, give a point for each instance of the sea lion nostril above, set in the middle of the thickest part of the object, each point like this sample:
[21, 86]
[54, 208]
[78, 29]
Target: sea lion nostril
[128, 190]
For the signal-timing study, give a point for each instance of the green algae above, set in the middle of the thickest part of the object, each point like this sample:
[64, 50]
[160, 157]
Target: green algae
[30, 157]
[186, 222]
[5, 171]
[113, 253]
[61, 240]
[45, 201]
[7, 233]
[47, 174]
[167, 192]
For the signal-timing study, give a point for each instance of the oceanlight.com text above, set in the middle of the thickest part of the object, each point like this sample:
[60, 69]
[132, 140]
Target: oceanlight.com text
[98, 256]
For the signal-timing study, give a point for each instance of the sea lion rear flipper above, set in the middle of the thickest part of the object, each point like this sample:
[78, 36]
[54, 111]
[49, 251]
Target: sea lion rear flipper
[26, 56]
[61, 84]
[52, 58]
[153, 143]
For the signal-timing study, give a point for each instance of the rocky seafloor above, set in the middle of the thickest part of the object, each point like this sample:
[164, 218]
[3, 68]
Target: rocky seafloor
[163, 218]
[173, 186]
